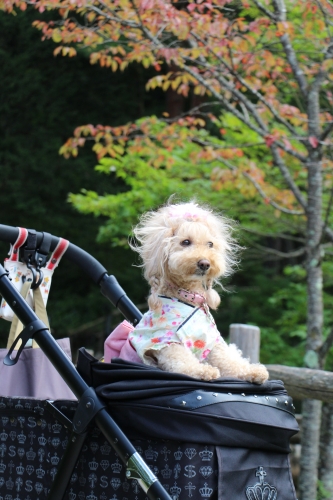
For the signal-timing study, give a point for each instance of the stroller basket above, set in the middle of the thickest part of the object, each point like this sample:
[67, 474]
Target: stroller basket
[189, 439]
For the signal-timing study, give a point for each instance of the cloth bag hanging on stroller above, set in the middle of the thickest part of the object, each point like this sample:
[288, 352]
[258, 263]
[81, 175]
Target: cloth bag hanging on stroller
[33, 375]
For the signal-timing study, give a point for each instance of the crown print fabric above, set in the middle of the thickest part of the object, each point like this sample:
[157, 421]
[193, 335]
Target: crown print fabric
[261, 489]
[254, 475]
[32, 443]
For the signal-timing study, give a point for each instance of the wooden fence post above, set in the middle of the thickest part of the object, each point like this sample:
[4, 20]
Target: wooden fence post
[247, 339]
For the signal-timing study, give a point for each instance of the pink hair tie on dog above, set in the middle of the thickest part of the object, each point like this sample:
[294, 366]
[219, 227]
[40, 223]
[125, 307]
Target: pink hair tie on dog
[187, 211]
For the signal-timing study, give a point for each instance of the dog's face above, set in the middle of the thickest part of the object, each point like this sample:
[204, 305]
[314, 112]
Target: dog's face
[185, 245]
[195, 254]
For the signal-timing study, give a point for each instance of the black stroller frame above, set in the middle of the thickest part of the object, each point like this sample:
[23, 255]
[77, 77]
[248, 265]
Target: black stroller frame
[90, 407]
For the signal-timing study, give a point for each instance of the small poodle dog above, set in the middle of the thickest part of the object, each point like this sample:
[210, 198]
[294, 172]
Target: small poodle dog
[185, 248]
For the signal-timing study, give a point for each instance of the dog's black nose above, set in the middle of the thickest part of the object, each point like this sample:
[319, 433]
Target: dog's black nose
[204, 264]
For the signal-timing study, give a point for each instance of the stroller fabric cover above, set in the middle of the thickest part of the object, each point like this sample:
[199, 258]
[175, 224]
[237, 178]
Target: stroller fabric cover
[217, 440]
[221, 439]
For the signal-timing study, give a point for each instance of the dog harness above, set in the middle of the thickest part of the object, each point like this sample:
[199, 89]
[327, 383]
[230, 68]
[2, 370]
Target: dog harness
[177, 323]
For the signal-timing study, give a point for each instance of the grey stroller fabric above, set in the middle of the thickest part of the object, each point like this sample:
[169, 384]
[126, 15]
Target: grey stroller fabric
[34, 376]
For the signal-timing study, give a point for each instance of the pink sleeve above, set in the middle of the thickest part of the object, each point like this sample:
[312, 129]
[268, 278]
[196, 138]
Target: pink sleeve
[117, 344]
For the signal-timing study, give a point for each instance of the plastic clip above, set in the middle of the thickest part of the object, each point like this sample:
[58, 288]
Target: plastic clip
[27, 333]
[33, 258]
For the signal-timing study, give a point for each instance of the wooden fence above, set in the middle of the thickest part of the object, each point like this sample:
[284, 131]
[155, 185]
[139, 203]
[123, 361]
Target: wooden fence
[300, 383]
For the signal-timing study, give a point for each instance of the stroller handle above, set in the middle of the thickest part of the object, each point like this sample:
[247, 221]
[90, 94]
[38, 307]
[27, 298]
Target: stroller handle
[136, 467]
[98, 413]
[92, 267]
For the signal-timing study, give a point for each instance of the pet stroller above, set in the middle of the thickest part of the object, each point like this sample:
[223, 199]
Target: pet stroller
[224, 439]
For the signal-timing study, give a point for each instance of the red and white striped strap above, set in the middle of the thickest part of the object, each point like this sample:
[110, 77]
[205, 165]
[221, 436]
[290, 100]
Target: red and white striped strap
[57, 254]
[14, 250]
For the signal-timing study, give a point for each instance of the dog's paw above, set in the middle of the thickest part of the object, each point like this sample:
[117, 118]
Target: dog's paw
[258, 374]
[209, 373]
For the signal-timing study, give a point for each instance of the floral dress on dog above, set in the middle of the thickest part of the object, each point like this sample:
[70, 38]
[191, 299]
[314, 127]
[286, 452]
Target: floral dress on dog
[177, 323]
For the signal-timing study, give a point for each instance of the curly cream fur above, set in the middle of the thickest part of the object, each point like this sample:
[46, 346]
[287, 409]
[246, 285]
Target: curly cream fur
[158, 233]
[188, 246]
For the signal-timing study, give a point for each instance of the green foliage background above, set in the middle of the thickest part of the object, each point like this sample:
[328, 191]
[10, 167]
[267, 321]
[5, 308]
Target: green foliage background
[42, 99]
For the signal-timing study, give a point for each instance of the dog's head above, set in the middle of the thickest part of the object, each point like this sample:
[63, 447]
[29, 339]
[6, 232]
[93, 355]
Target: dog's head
[187, 245]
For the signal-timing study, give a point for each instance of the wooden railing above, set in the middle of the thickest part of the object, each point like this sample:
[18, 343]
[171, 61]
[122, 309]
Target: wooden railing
[300, 383]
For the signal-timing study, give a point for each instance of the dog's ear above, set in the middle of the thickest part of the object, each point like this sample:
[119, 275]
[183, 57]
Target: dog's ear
[155, 253]
[213, 298]
[154, 302]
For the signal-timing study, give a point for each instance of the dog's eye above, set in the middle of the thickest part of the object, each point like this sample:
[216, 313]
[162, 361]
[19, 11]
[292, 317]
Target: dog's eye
[210, 244]
[185, 243]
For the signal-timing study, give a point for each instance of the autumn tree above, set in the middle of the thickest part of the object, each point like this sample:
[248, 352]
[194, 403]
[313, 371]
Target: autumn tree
[263, 123]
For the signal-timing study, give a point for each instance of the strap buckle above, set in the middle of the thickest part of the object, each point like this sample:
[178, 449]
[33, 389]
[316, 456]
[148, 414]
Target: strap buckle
[36, 258]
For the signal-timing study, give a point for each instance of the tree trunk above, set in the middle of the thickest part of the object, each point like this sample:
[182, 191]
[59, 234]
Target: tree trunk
[311, 408]
[311, 411]
[326, 449]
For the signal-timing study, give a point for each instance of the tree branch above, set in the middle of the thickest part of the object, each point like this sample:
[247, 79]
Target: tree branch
[261, 129]
[325, 14]
[329, 233]
[270, 201]
[251, 108]
[274, 235]
[261, 191]
[283, 255]
[287, 177]
[262, 132]
[326, 132]
[263, 9]
[230, 87]
[280, 16]
[124, 22]
[243, 82]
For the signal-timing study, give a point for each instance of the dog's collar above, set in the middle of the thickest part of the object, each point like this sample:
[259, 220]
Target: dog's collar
[195, 298]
